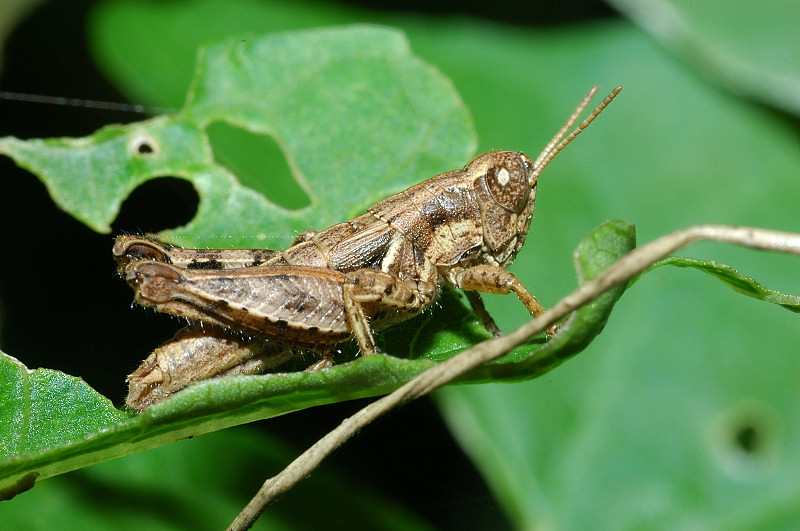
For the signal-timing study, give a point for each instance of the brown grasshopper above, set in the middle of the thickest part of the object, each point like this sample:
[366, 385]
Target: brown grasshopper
[459, 229]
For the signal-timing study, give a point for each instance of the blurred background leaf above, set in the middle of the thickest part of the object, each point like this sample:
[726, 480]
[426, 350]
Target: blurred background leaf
[748, 49]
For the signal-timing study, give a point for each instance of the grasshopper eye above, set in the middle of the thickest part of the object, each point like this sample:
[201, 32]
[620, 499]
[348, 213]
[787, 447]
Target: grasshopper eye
[508, 186]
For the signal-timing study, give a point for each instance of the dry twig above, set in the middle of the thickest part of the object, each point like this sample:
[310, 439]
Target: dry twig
[622, 270]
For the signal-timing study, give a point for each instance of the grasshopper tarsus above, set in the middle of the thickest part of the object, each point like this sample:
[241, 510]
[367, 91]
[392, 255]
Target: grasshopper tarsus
[324, 362]
[479, 309]
[461, 228]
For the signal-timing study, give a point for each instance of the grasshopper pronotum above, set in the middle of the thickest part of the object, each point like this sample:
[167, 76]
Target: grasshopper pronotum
[460, 229]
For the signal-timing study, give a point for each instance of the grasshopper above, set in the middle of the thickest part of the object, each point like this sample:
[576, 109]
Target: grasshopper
[460, 229]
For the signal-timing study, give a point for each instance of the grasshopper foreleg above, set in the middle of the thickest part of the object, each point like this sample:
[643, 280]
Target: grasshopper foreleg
[487, 278]
[482, 313]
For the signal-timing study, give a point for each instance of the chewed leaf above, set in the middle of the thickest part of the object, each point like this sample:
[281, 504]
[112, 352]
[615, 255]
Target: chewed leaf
[735, 280]
[321, 95]
[90, 177]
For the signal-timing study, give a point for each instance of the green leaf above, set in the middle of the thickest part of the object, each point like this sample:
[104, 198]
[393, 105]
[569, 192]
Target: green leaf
[53, 423]
[735, 280]
[90, 177]
[50, 407]
[341, 103]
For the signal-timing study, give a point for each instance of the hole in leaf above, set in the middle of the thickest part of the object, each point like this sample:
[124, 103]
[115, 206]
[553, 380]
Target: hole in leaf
[745, 438]
[143, 146]
[156, 205]
[258, 162]
[748, 439]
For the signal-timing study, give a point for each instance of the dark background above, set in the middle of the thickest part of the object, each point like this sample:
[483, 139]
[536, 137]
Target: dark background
[52, 266]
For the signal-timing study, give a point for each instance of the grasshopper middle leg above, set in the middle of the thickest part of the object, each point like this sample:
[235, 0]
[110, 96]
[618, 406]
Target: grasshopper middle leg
[382, 291]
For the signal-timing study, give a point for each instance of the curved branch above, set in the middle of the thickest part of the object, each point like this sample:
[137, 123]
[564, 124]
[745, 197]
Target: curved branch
[621, 271]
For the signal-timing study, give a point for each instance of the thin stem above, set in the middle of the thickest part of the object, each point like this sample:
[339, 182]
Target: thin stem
[622, 270]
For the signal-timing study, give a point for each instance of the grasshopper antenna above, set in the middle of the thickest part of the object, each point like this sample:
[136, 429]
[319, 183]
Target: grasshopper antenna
[555, 146]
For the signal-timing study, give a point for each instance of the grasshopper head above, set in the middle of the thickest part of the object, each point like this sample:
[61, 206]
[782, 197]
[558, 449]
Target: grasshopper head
[505, 185]
[505, 189]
